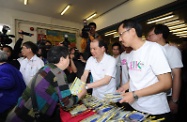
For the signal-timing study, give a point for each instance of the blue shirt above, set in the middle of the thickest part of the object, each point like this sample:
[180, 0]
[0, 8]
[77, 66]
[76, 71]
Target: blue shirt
[11, 86]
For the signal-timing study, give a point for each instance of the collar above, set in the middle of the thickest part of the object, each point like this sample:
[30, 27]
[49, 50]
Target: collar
[32, 59]
[102, 60]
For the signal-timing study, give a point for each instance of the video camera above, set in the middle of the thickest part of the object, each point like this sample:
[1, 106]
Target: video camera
[85, 29]
[4, 38]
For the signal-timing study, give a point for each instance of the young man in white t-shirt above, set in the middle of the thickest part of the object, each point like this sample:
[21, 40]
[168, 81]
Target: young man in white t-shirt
[149, 72]
[103, 69]
[159, 33]
[116, 51]
[124, 68]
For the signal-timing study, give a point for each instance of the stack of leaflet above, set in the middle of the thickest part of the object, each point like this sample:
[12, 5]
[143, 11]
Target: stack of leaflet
[78, 109]
[113, 97]
[108, 113]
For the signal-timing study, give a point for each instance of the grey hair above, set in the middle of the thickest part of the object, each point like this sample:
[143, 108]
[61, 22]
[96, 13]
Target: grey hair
[3, 56]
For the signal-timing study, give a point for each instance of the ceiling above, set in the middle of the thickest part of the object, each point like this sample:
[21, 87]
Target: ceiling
[179, 8]
[79, 10]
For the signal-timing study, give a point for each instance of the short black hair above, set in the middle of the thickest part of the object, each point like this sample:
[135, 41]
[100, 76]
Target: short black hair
[31, 45]
[130, 23]
[101, 43]
[92, 24]
[9, 47]
[47, 41]
[161, 29]
[116, 44]
[55, 53]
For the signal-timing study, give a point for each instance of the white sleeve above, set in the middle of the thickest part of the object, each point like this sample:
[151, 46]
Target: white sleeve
[111, 67]
[159, 63]
[88, 64]
[174, 58]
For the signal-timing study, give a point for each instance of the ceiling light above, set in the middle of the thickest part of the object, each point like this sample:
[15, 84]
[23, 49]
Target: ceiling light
[110, 33]
[164, 15]
[174, 22]
[25, 2]
[182, 35]
[185, 34]
[181, 32]
[177, 26]
[161, 19]
[67, 7]
[168, 20]
[91, 16]
[180, 29]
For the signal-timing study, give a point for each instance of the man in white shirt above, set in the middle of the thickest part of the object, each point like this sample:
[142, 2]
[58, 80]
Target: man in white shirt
[124, 68]
[149, 72]
[103, 69]
[159, 33]
[30, 64]
[116, 50]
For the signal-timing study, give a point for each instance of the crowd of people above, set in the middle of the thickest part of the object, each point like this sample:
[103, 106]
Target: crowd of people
[147, 73]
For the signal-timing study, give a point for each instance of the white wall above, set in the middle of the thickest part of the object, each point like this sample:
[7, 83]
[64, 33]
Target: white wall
[27, 20]
[128, 10]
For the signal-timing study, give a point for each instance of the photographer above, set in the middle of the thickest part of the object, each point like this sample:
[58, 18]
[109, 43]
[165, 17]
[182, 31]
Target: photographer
[88, 35]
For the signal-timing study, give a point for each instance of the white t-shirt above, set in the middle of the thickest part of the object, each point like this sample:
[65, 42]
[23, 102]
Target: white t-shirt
[124, 73]
[107, 66]
[173, 56]
[29, 68]
[118, 71]
[144, 65]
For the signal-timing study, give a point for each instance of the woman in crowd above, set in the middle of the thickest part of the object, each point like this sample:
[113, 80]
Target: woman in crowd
[11, 58]
[51, 89]
[12, 86]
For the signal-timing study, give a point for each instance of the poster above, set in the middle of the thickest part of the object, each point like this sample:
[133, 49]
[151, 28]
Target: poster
[55, 36]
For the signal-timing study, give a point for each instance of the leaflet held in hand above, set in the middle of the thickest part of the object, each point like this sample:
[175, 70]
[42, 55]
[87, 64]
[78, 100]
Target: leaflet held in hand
[77, 86]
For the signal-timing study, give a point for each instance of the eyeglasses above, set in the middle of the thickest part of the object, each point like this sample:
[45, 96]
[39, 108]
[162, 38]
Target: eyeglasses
[124, 32]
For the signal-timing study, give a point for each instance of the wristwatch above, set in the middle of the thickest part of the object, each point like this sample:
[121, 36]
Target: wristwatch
[135, 96]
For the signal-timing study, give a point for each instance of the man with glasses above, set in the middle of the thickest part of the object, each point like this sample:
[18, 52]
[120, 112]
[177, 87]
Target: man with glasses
[159, 33]
[149, 76]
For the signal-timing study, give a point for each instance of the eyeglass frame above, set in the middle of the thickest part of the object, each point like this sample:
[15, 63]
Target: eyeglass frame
[124, 32]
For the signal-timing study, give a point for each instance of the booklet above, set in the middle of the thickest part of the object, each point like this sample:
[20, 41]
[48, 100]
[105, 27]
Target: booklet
[77, 86]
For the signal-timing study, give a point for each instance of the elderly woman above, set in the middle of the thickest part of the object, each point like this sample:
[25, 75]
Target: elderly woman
[50, 89]
[12, 86]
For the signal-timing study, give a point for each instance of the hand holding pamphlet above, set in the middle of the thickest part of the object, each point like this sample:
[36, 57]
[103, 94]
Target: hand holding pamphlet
[77, 86]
